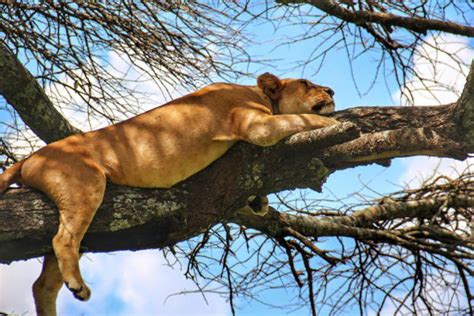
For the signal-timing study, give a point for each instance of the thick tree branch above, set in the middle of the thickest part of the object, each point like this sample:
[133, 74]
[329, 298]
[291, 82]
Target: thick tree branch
[465, 112]
[361, 18]
[132, 218]
[135, 218]
[22, 91]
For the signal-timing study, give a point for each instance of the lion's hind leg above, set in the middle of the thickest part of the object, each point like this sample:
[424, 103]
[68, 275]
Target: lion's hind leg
[47, 286]
[76, 184]
[76, 211]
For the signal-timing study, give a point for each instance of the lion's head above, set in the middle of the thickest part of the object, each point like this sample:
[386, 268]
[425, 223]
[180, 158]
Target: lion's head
[297, 96]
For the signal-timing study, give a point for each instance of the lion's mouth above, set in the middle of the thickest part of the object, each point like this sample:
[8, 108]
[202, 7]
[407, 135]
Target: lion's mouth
[320, 106]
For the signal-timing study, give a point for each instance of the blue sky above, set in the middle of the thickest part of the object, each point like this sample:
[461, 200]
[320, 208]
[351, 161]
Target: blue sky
[137, 283]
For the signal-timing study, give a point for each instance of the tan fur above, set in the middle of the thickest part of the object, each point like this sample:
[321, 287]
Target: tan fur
[156, 149]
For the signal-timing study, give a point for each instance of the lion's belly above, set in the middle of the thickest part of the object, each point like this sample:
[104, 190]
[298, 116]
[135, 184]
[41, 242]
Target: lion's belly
[163, 165]
[160, 148]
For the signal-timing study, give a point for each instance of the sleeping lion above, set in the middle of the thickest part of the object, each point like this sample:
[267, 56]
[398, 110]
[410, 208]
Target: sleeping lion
[156, 149]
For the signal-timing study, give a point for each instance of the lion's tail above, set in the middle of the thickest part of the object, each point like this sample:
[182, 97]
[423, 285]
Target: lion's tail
[11, 175]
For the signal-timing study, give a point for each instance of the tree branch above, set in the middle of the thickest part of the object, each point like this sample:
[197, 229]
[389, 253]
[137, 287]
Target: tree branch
[360, 225]
[434, 218]
[361, 18]
[22, 91]
[465, 111]
[133, 218]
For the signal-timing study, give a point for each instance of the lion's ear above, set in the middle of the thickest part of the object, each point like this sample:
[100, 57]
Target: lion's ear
[270, 84]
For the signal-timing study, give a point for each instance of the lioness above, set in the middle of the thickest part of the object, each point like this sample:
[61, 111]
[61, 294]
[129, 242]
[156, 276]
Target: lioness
[156, 149]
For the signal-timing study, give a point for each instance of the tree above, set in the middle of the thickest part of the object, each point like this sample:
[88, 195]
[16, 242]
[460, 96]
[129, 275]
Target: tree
[425, 232]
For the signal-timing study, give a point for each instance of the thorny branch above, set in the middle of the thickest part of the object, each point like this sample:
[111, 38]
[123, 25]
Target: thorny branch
[413, 249]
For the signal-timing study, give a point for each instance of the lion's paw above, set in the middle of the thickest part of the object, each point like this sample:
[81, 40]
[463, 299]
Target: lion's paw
[80, 291]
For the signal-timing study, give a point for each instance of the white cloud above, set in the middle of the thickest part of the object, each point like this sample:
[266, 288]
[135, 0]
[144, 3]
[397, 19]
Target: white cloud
[138, 283]
[443, 61]
[449, 78]
[418, 169]
[437, 290]
[15, 286]
[145, 96]
[122, 283]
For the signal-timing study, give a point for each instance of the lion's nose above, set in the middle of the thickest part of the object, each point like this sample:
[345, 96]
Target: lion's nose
[329, 91]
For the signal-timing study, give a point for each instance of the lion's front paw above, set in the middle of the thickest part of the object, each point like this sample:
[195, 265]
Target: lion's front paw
[80, 291]
[331, 121]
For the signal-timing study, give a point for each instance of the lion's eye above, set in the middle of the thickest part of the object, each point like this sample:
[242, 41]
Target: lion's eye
[306, 83]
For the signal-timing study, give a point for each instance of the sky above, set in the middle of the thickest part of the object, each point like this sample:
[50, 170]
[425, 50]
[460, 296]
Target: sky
[140, 283]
